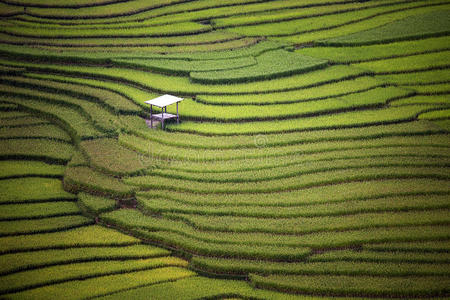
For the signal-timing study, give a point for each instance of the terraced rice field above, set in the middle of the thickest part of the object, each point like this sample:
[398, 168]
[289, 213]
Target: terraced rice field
[312, 160]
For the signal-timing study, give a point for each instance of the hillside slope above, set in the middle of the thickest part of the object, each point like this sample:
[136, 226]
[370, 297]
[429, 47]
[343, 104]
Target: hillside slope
[311, 161]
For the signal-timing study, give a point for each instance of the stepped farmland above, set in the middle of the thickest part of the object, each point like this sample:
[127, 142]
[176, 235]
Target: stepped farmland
[311, 161]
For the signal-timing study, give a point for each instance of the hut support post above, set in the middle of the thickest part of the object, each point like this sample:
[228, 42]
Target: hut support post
[151, 116]
[162, 117]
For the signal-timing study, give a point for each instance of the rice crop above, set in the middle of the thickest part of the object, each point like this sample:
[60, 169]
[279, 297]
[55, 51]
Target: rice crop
[352, 54]
[38, 210]
[84, 236]
[30, 189]
[96, 204]
[419, 62]
[421, 26]
[268, 65]
[31, 260]
[110, 157]
[108, 284]
[83, 179]
[39, 131]
[42, 225]
[56, 274]
[19, 168]
[356, 286]
[311, 160]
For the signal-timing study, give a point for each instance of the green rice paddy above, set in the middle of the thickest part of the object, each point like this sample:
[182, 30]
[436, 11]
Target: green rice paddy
[311, 160]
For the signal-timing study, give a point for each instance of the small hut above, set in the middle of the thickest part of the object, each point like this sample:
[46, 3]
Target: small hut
[162, 102]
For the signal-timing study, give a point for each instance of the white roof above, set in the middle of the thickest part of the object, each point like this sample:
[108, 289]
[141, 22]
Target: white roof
[164, 100]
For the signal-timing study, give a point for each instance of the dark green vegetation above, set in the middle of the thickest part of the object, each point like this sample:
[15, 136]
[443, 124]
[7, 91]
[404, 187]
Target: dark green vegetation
[312, 159]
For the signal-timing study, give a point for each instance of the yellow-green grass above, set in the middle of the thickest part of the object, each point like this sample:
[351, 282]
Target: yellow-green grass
[258, 165]
[32, 189]
[102, 119]
[70, 119]
[111, 10]
[51, 150]
[5, 108]
[185, 154]
[330, 90]
[419, 62]
[8, 123]
[379, 116]
[108, 156]
[84, 179]
[348, 54]
[332, 285]
[98, 116]
[78, 271]
[95, 204]
[287, 13]
[215, 217]
[37, 210]
[436, 114]
[227, 9]
[423, 99]
[47, 131]
[416, 78]
[18, 227]
[316, 201]
[419, 247]
[349, 238]
[378, 256]
[394, 269]
[241, 113]
[184, 67]
[218, 51]
[182, 85]
[112, 101]
[302, 168]
[162, 14]
[237, 249]
[430, 89]
[78, 159]
[291, 183]
[211, 243]
[106, 285]
[198, 39]
[420, 26]
[208, 244]
[255, 187]
[13, 114]
[44, 258]
[6, 70]
[86, 236]
[197, 287]
[185, 140]
[138, 96]
[269, 65]
[252, 50]
[142, 51]
[9, 10]
[325, 22]
[362, 24]
[94, 32]
[326, 220]
[201, 215]
[70, 3]
[20, 168]
[263, 246]
[252, 161]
